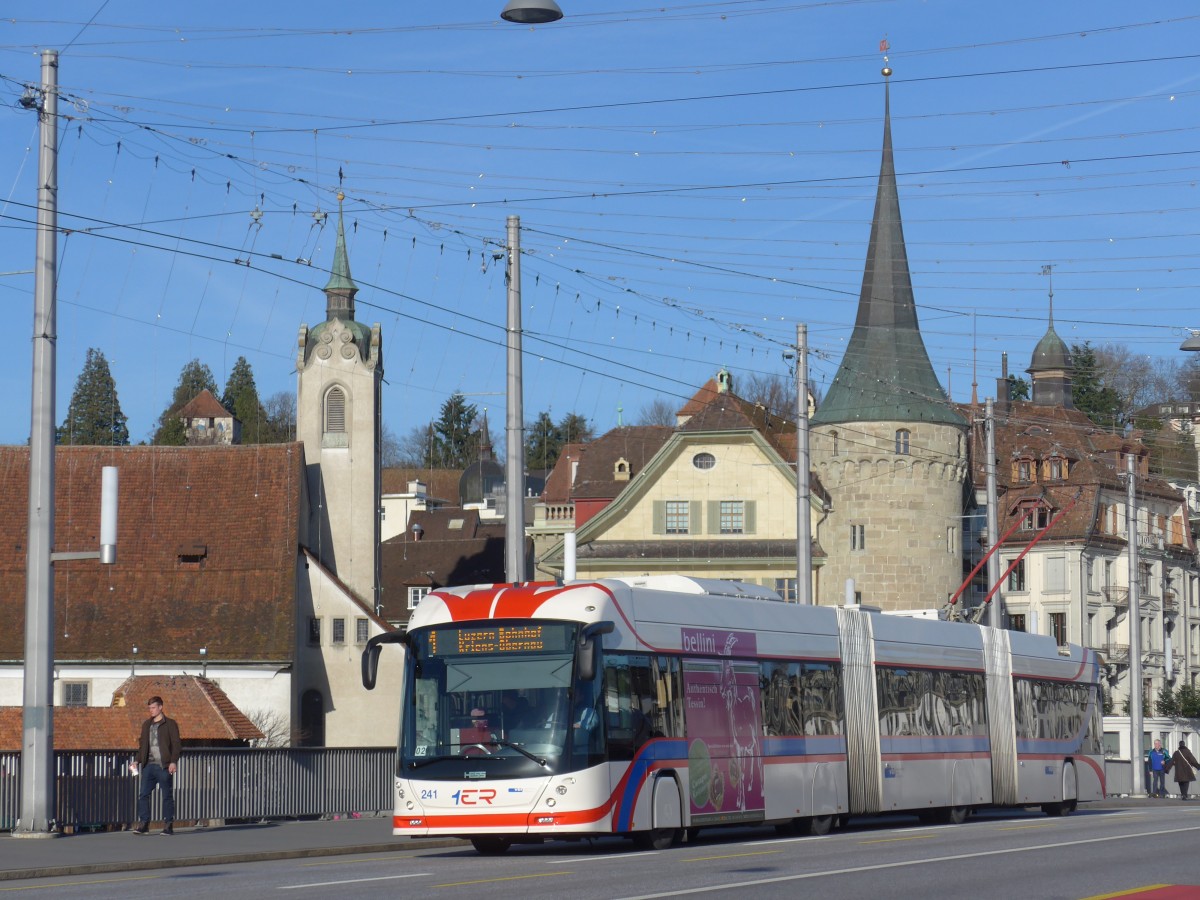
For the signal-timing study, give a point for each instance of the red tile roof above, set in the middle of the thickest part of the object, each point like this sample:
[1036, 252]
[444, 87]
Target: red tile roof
[439, 483]
[204, 406]
[207, 553]
[204, 713]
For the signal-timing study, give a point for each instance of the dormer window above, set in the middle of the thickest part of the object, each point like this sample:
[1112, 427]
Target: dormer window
[1035, 515]
[1023, 470]
[621, 470]
[1056, 468]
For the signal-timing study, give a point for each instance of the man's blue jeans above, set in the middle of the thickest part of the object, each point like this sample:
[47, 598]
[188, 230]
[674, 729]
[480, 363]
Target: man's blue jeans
[156, 776]
[1158, 783]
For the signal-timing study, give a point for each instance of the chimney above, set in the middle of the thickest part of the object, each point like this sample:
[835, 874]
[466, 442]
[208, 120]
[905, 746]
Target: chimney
[1002, 387]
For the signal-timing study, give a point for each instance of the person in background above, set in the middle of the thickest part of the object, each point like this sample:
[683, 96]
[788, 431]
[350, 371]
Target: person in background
[1184, 765]
[1156, 758]
[157, 758]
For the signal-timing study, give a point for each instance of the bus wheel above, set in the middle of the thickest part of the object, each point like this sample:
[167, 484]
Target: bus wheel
[816, 825]
[490, 846]
[692, 834]
[956, 815]
[1059, 809]
[657, 838]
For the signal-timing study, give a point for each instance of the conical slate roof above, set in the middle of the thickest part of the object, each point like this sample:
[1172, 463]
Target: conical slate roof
[1051, 351]
[341, 288]
[886, 374]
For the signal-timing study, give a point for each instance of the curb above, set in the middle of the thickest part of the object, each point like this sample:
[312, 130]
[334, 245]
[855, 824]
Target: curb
[225, 858]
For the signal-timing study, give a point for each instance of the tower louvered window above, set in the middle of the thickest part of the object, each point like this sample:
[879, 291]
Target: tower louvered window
[335, 410]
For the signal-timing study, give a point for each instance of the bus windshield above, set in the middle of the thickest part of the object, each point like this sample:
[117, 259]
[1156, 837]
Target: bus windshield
[500, 698]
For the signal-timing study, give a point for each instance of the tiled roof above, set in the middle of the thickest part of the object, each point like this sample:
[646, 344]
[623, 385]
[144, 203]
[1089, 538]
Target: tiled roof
[456, 548]
[204, 712]
[635, 443]
[204, 406]
[206, 556]
[1028, 431]
[695, 551]
[439, 483]
[558, 487]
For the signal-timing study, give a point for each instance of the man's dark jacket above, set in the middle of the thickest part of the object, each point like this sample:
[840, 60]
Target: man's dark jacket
[168, 742]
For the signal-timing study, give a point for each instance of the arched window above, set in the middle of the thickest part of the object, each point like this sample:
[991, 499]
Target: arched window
[902, 436]
[335, 410]
[834, 435]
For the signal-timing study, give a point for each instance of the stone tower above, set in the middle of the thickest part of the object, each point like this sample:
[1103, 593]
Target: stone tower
[340, 365]
[886, 442]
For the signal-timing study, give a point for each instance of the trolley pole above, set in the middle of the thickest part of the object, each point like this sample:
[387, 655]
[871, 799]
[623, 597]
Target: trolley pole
[803, 514]
[37, 743]
[1136, 750]
[514, 461]
[993, 517]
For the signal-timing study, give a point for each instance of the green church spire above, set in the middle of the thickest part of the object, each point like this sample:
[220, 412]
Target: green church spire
[886, 374]
[341, 288]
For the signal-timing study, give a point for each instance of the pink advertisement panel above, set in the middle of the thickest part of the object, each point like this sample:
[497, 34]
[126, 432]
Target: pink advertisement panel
[724, 725]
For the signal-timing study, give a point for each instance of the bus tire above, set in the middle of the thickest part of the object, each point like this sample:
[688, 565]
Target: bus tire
[490, 846]
[657, 838]
[815, 825]
[956, 815]
[1065, 808]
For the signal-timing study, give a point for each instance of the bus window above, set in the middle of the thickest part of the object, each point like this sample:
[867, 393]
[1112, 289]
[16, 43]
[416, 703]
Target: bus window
[783, 699]
[629, 703]
[667, 718]
[821, 690]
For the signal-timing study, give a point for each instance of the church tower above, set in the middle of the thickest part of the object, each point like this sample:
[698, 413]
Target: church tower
[886, 442]
[1051, 367]
[340, 365]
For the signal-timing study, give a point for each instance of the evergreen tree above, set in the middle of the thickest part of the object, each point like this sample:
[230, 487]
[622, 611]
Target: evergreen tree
[1018, 388]
[1091, 396]
[575, 429]
[542, 444]
[94, 415]
[241, 399]
[454, 444]
[194, 378]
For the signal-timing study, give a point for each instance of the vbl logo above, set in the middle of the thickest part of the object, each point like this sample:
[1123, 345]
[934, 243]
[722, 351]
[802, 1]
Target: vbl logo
[474, 796]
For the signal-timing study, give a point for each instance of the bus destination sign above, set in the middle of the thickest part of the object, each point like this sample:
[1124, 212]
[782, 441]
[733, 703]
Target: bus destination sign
[496, 639]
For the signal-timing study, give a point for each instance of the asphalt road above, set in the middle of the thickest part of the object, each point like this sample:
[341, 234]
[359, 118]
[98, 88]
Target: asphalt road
[994, 855]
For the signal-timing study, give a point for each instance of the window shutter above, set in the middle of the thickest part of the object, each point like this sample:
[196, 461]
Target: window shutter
[695, 516]
[713, 525]
[660, 517]
[335, 410]
[750, 522]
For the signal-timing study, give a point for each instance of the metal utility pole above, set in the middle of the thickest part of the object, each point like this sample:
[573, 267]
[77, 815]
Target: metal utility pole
[1136, 750]
[803, 513]
[514, 462]
[993, 515]
[37, 743]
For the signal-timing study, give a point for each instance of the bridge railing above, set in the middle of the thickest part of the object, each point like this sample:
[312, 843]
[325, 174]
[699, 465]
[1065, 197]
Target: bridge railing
[95, 788]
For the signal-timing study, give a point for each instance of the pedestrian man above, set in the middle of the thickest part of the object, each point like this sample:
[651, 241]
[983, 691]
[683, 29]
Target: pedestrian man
[157, 757]
[1156, 758]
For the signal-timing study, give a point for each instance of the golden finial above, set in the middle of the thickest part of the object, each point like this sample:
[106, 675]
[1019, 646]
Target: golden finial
[341, 196]
[884, 46]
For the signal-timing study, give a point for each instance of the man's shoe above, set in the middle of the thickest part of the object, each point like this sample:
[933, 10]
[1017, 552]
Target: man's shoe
[144, 828]
[168, 831]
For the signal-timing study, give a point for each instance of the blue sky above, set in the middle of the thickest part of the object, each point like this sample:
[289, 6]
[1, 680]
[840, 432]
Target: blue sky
[693, 180]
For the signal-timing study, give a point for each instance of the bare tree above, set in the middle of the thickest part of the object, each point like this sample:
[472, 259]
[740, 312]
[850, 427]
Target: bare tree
[276, 729]
[660, 411]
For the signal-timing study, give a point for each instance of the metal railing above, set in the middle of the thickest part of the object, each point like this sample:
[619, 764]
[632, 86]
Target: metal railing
[95, 788]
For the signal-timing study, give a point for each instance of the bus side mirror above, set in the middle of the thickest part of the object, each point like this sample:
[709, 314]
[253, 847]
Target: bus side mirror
[370, 654]
[585, 650]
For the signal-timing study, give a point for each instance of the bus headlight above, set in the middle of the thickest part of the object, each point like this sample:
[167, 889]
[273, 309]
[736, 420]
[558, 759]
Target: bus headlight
[550, 801]
[399, 792]
[410, 805]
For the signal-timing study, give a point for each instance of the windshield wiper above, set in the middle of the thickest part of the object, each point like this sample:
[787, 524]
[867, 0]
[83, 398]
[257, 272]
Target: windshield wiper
[426, 760]
[503, 743]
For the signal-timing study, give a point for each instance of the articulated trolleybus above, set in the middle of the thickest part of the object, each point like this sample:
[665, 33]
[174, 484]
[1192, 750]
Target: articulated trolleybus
[649, 707]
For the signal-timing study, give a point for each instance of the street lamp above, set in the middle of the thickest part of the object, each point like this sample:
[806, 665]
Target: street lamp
[531, 12]
[1193, 342]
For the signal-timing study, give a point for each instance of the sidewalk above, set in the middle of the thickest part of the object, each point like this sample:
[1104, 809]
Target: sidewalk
[117, 851]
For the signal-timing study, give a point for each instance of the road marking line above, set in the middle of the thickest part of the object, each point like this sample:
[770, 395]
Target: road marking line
[62, 884]
[908, 863]
[1023, 827]
[295, 887]
[495, 880]
[916, 837]
[1137, 890]
[729, 856]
